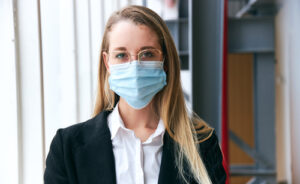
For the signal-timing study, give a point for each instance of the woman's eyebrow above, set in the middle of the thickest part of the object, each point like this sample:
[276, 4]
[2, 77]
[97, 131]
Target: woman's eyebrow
[120, 48]
[142, 48]
[147, 47]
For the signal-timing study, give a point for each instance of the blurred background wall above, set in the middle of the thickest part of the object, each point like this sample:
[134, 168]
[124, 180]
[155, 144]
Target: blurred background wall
[48, 74]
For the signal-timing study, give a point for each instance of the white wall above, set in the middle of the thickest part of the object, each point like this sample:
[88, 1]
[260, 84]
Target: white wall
[287, 91]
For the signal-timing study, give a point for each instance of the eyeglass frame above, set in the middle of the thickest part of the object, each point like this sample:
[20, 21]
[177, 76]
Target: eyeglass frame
[160, 52]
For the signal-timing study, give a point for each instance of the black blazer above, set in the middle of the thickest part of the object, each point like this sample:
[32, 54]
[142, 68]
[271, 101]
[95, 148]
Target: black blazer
[83, 154]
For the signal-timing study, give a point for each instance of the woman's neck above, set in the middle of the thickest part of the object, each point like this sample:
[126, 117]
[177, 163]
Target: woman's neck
[137, 119]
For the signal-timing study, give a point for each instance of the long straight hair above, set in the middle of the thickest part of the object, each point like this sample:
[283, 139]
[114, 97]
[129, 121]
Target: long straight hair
[169, 103]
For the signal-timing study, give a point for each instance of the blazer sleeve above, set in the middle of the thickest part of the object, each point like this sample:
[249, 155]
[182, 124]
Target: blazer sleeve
[55, 172]
[213, 158]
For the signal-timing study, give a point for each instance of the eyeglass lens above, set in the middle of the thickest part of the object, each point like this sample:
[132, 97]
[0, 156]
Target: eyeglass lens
[118, 57]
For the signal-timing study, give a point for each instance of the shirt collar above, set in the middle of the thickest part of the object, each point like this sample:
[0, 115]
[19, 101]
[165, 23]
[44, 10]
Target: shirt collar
[115, 122]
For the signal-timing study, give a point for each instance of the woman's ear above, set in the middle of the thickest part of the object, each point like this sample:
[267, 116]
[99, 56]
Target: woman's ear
[105, 59]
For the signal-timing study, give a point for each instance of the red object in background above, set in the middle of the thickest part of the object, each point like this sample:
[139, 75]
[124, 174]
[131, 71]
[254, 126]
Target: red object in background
[224, 128]
[170, 3]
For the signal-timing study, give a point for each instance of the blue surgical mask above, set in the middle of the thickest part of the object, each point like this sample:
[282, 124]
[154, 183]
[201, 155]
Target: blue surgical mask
[137, 82]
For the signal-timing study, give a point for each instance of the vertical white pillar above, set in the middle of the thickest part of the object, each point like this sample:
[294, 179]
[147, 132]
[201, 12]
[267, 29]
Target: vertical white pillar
[59, 63]
[287, 91]
[51, 67]
[84, 58]
[283, 139]
[294, 39]
[30, 87]
[97, 12]
[8, 97]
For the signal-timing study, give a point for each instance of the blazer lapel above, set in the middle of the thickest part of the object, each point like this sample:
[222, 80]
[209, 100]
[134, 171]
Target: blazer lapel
[168, 172]
[96, 159]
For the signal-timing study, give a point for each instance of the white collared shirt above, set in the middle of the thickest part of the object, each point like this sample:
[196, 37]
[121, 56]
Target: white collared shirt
[136, 162]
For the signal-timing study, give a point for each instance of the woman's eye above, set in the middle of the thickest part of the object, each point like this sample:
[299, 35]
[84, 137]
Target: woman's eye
[120, 56]
[147, 54]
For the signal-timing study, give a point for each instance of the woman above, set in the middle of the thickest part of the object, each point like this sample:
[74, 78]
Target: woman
[141, 131]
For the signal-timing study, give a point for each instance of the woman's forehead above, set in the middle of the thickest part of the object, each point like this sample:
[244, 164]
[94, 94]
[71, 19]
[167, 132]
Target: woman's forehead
[126, 34]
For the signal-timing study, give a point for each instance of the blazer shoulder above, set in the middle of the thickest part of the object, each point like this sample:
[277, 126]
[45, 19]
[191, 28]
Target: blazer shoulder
[82, 132]
[213, 158]
[208, 140]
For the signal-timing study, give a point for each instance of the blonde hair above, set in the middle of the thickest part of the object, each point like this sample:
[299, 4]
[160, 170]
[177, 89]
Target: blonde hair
[169, 103]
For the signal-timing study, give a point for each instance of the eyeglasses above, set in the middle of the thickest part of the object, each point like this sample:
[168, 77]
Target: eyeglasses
[119, 57]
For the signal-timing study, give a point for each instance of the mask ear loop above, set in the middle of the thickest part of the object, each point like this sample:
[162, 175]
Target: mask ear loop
[163, 64]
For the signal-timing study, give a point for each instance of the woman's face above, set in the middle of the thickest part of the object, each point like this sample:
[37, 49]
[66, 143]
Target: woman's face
[129, 37]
